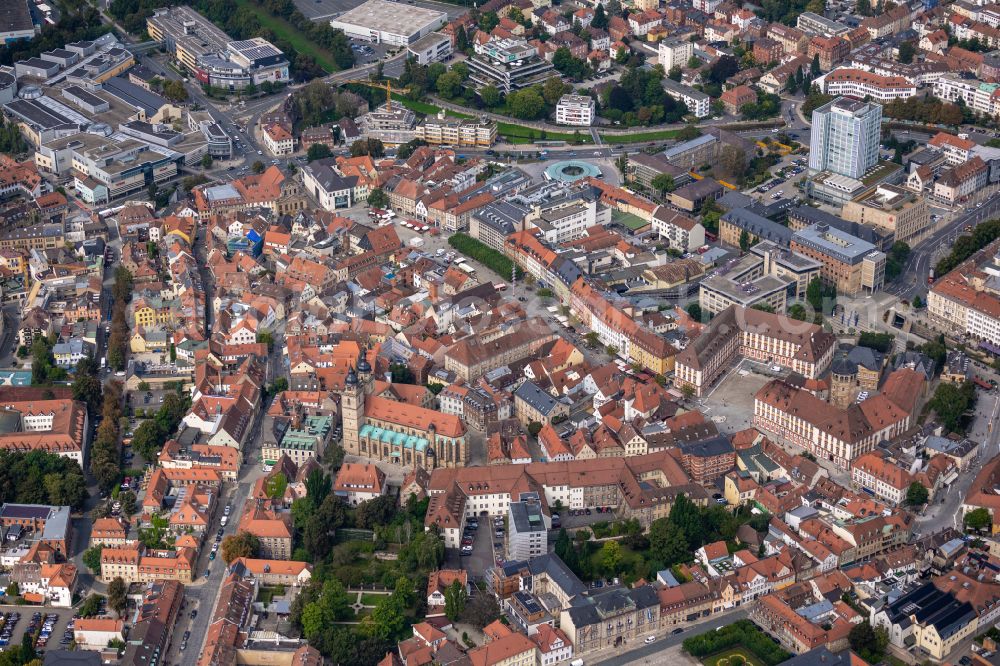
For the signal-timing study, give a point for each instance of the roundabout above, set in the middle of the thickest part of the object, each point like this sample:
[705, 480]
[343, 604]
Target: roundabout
[569, 171]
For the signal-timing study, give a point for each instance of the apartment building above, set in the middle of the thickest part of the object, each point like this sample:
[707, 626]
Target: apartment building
[459, 132]
[829, 50]
[643, 168]
[962, 301]
[894, 209]
[272, 528]
[528, 535]
[850, 264]
[359, 482]
[577, 110]
[432, 47]
[851, 82]
[58, 426]
[697, 102]
[278, 140]
[708, 459]
[682, 232]
[641, 487]
[787, 266]
[942, 621]
[962, 181]
[813, 23]
[975, 94]
[770, 338]
[674, 52]
[134, 563]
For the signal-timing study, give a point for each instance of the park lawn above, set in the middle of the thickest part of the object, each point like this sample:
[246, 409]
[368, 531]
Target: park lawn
[724, 658]
[371, 599]
[513, 131]
[639, 137]
[293, 36]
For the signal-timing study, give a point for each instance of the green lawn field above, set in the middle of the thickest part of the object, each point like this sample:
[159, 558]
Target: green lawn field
[737, 656]
[292, 35]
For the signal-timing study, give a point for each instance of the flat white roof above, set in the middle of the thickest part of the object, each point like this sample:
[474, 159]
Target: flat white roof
[391, 17]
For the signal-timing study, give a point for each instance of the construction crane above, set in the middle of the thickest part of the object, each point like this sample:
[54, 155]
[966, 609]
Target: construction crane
[387, 87]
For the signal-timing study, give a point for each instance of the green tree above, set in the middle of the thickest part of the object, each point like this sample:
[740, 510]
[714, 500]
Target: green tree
[87, 386]
[667, 543]
[953, 404]
[600, 19]
[377, 198]
[685, 515]
[13, 591]
[814, 294]
[207, 161]
[241, 544]
[906, 52]
[917, 302]
[449, 84]
[868, 643]
[694, 311]
[663, 183]
[611, 556]
[257, 167]
[744, 240]
[978, 519]
[534, 428]
[92, 559]
[318, 151]
[91, 606]
[916, 494]
[526, 104]
[377, 511]
[798, 312]
[481, 609]
[386, 621]
[117, 595]
[454, 600]
[491, 96]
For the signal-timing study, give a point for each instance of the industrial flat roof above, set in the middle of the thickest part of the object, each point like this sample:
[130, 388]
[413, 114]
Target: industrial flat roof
[15, 16]
[834, 242]
[392, 17]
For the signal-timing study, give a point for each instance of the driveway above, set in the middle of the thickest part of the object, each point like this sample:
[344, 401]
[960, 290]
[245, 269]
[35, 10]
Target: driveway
[482, 552]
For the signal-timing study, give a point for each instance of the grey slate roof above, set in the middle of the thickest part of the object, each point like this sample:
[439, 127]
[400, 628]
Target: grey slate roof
[759, 226]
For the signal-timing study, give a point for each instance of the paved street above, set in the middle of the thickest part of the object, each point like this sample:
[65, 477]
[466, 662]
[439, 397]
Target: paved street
[913, 281]
[625, 656]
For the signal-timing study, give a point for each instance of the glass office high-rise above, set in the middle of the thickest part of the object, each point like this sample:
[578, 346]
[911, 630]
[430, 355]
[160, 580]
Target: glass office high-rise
[845, 137]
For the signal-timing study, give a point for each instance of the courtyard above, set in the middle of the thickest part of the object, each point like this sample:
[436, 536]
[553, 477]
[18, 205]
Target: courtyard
[729, 402]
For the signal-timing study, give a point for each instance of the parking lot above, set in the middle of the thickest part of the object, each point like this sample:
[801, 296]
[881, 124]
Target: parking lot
[13, 634]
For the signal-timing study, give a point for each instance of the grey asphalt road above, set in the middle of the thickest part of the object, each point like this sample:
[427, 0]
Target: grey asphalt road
[914, 279]
[636, 655]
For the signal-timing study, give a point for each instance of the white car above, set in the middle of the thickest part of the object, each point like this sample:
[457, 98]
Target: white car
[650, 639]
